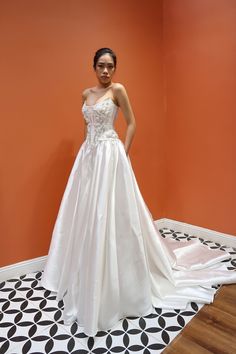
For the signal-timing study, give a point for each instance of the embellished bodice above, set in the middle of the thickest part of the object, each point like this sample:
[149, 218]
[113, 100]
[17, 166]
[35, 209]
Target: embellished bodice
[100, 118]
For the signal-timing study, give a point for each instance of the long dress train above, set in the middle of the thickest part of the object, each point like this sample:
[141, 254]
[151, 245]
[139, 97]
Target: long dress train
[107, 259]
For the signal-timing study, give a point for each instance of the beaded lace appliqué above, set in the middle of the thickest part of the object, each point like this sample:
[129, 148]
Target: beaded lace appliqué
[100, 118]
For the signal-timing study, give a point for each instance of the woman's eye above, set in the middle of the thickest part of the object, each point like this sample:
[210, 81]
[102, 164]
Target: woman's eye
[102, 66]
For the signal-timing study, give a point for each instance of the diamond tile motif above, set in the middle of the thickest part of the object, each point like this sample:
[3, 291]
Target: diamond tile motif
[30, 319]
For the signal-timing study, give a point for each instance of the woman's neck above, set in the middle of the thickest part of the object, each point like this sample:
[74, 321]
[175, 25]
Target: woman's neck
[104, 87]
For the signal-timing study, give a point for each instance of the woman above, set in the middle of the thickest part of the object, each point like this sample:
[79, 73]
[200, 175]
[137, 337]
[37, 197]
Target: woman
[107, 259]
[104, 67]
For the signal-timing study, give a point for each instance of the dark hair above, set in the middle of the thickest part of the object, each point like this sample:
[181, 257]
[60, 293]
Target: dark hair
[101, 52]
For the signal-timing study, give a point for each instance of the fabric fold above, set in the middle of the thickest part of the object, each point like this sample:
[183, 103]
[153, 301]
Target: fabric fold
[107, 260]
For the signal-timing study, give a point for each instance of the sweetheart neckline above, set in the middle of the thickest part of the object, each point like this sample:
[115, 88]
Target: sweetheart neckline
[92, 105]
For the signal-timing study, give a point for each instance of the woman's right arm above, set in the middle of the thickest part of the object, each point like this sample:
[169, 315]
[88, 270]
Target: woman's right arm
[84, 96]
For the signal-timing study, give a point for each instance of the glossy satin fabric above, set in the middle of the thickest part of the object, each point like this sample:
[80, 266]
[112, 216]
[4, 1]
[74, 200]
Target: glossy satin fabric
[107, 259]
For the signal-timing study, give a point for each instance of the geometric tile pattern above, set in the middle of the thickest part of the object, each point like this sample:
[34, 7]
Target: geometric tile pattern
[30, 319]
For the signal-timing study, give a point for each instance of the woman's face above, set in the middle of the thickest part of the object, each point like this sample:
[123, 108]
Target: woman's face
[105, 69]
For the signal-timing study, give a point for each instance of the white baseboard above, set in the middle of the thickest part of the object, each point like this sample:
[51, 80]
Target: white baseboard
[25, 267]
[37, 264]
[206, 234]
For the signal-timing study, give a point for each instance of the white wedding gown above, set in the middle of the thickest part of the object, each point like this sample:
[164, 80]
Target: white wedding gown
[107, 259]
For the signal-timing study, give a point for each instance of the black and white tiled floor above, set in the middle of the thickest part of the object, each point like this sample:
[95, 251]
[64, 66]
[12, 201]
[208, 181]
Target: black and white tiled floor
[30, 320]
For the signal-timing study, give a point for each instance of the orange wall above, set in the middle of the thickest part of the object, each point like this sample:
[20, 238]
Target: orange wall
[200, 83]
[47, 51]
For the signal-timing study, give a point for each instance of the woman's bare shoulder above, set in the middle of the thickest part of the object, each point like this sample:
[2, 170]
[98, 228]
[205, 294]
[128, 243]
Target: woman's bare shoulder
[119, 91]
[117, 86]
[85, 93]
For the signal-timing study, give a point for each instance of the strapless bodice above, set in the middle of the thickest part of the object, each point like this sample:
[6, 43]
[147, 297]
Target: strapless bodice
[100, 118]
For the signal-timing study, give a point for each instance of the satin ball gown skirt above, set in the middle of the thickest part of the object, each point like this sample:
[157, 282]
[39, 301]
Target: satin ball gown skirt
[107, 259]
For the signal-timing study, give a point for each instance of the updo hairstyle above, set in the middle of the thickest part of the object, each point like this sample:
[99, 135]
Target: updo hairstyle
[101, 52]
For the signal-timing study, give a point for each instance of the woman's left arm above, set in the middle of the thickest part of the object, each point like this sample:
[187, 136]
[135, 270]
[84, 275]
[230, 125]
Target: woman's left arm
[124, 103]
